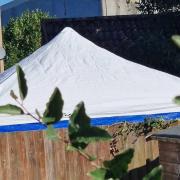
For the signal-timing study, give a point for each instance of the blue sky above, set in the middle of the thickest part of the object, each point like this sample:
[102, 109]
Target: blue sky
[4, 2]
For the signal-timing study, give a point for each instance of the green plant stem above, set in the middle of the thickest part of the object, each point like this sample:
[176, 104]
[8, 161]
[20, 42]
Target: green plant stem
[87, 157]
[28, 113]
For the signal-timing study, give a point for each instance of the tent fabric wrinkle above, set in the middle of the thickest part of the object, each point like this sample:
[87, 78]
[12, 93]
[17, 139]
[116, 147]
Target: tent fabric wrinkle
[111, 86]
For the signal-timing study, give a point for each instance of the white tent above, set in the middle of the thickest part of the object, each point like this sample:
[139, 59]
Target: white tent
[112, 88]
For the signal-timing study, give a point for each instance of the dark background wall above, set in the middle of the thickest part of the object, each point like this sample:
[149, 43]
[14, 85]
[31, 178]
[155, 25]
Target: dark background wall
[144, 39]
[58, 8]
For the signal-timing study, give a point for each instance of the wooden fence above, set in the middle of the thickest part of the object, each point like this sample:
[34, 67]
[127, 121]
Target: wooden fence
[31, 156]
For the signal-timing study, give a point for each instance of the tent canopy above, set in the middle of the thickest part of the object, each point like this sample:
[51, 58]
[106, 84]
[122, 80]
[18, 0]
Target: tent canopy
[112, 88]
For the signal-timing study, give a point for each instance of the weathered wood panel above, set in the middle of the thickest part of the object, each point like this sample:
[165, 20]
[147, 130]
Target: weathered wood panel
[170, 159]
[30, 156]
[118, 7]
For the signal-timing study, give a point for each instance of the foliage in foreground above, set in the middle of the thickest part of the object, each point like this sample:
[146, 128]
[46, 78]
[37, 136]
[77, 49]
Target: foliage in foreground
[80, 133]
[22, 36]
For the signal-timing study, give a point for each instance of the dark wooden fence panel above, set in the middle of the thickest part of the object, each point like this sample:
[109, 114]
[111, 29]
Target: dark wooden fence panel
[31, 156]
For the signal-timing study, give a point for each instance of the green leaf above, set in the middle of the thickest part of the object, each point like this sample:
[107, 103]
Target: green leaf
[177, 100]
[92, 134]
[11, 109]
[51, 133]
[13, 95]
[48, 120]
[92, 157]
[23, 89]
[176, 40]
[79, 117]
[118, 166]
[80, 131]
[98, 174]
[71, 148]
[38, 114]
[155, 174]
[54, 107]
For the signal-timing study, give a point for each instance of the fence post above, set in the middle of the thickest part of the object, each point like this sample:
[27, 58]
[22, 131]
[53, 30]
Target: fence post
[169, 152]
[1, 45]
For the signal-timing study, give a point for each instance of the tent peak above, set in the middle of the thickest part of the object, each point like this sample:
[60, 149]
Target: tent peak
[68, 32]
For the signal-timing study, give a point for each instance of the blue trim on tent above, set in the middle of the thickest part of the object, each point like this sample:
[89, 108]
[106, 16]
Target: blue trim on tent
[101, 121]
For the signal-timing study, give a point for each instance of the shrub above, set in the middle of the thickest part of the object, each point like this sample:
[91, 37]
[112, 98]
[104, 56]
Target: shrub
[158, 6]
[22, 36]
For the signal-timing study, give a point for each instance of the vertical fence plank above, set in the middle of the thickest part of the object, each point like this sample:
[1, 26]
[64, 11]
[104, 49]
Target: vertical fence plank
[40, 154]
[49, 159]
[13, 156]
[23, 163]
[33, 168]
[4, 157]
